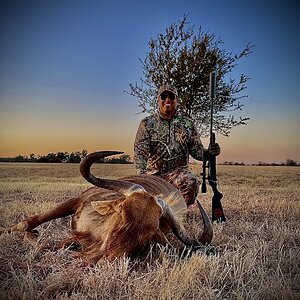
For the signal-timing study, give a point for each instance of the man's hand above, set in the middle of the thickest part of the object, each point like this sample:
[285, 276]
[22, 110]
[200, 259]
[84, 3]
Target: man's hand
[214, 149]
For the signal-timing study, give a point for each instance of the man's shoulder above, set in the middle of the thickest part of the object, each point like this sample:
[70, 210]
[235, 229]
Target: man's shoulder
[149, 119]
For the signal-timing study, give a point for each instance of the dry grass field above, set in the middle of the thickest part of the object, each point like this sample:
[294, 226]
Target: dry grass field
[257, 249]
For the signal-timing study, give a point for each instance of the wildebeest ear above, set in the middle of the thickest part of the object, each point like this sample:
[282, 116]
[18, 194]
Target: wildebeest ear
[106, 207]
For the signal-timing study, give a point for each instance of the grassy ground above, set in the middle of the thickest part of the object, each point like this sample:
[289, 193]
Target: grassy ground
[257, 248]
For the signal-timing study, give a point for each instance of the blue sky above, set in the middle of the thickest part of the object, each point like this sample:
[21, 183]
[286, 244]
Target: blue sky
[64, 67]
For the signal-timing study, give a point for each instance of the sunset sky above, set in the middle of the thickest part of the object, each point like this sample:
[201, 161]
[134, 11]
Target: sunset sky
[64, 67]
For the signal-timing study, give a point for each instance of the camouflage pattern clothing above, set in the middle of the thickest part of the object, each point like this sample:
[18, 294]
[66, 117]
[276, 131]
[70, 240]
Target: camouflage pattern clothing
[185, 181]
[162, 147]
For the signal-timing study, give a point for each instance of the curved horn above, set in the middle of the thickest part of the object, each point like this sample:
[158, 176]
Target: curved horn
[123, 187]
[207, 234]
[179, 230]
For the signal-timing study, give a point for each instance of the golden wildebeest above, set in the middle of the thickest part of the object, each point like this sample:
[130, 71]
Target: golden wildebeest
[121, 217]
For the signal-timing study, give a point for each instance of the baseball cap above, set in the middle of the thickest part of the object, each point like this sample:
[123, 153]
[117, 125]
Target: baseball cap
[168, 88]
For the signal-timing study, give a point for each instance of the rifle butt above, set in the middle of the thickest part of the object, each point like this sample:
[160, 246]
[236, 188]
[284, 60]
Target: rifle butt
[217, 209]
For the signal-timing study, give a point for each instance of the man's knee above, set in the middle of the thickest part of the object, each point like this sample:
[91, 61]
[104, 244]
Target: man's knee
[191, 191]
[188, 184]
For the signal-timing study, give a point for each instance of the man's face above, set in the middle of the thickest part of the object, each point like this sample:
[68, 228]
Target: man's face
[167, 103]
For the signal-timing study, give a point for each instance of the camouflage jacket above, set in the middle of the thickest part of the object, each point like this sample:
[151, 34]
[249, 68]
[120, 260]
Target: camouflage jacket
[162, 145]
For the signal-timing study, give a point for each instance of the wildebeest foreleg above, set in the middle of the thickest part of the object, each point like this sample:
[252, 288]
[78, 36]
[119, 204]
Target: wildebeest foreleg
[62, 210]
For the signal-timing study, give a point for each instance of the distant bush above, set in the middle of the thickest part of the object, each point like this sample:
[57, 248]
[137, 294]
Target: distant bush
[289, 162]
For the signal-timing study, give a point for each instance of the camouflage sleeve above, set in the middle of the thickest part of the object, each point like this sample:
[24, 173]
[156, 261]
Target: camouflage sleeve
[196, 149]
[141, 148]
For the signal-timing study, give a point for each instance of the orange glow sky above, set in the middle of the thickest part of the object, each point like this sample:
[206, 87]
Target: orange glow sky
[64, 71]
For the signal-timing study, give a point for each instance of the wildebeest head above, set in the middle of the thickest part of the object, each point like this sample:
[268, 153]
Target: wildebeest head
[138, 217]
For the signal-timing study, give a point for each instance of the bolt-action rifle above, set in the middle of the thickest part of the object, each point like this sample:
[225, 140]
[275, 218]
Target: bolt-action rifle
[209, 162]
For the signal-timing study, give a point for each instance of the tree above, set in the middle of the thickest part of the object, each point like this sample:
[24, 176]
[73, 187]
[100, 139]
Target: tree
[62, 156]
[52, 158]
[84, 153]
[19, 158]
[185, 59]
[291, 162]
[124, 159]
[75, 157]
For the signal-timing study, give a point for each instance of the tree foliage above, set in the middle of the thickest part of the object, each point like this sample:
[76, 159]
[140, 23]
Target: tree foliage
[291, 162]
[185, 59]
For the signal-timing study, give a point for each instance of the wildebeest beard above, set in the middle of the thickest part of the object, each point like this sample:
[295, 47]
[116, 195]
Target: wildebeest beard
[130, 240]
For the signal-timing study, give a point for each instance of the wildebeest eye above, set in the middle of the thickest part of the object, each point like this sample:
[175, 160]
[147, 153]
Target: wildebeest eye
[119, 208]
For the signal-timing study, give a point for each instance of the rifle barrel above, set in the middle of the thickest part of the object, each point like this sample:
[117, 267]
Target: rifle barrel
[212, 84]
[212, 95]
